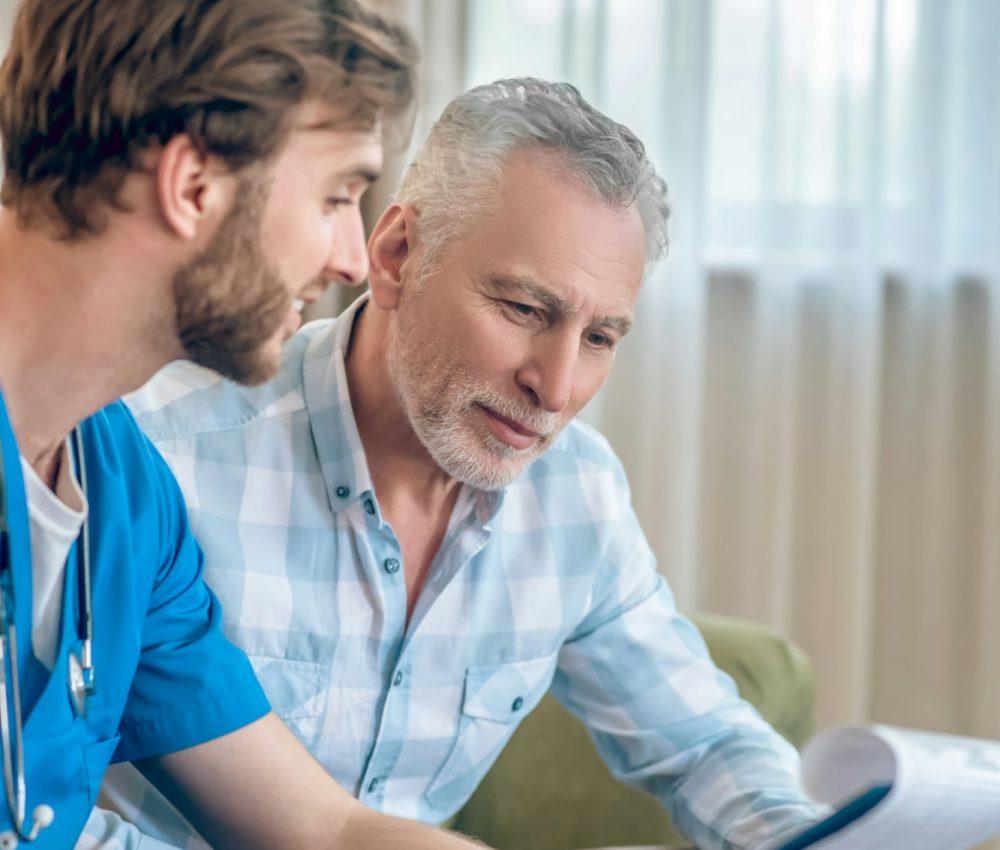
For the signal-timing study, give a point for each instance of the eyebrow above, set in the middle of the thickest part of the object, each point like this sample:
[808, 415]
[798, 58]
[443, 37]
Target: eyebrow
[512, 284]
[365, 172]
[362, 172]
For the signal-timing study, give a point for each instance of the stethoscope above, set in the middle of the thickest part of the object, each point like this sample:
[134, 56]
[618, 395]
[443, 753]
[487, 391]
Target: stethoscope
[81, 668]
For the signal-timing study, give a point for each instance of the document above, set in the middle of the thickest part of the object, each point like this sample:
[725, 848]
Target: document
[900, 788]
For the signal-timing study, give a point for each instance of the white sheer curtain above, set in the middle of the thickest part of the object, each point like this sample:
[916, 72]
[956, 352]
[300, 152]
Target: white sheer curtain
[809, 409]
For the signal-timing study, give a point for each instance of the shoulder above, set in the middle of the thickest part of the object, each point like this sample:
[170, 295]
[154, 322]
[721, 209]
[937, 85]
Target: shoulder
[124, 464]
[579, 479]
[113, 438]
[184, 400]
[579, 450]
[133, 497]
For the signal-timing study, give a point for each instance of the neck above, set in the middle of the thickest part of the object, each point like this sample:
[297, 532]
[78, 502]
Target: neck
[401, 468]
[75, 333]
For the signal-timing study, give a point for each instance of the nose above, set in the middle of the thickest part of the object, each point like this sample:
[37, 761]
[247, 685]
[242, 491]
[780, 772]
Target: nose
[549, 373]
[347, 259]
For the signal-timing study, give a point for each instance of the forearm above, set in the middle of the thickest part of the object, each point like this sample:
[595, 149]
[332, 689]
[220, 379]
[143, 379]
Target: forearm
[257, 788]
[369, 830]
[740, 791]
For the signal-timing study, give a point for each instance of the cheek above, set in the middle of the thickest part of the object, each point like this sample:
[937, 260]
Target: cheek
[294, 241]
[499, 349]
[306, 249]
[590, 378]
[277, 244]
[312, 244]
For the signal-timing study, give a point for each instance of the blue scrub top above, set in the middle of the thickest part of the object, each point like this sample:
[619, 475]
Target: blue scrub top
[166, 676]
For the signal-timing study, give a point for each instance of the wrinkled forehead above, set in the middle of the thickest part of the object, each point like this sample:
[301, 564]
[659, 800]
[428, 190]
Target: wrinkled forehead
[545, 211]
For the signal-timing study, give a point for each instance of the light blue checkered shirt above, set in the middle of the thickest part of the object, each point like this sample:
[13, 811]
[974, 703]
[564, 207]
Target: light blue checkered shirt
[549, 583]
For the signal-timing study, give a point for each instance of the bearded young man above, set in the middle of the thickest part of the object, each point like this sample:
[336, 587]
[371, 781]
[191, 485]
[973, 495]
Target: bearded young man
[179, 176]
[413, 536]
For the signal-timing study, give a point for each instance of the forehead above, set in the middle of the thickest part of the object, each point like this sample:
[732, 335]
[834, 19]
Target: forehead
[547, 226]
[325, 135]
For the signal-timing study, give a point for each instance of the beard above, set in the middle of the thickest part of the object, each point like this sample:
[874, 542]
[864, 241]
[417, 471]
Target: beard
[230, 300]
[443, 406]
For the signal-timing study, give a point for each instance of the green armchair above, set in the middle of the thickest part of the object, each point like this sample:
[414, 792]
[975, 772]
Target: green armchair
[550, 790]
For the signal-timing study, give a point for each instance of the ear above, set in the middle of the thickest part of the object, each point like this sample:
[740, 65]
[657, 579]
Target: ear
[191, 187]
[390, 246]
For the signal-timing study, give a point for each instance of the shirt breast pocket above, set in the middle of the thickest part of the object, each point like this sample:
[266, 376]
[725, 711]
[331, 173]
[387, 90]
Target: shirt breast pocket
[96, 758]
[496, 698]
[297, 691]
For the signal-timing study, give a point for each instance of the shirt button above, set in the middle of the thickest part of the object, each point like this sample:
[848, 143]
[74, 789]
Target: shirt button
[343, 491]
[373, 785]
[398, 678]
[391, 565]
[518, 703]
[369, 507]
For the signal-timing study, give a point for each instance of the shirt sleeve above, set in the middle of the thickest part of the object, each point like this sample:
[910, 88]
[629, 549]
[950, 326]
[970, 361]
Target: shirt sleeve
[191, 685]
[666, 719]
[107, 831]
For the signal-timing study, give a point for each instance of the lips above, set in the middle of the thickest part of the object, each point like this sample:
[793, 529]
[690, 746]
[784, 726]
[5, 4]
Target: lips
[509, 431]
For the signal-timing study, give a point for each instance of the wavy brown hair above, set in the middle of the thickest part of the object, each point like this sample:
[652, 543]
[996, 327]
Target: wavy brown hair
[88, 86]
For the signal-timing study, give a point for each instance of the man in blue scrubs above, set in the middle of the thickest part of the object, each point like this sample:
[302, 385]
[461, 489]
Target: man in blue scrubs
[180, 177]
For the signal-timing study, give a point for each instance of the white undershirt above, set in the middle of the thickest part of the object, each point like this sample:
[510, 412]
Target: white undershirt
[55, 519]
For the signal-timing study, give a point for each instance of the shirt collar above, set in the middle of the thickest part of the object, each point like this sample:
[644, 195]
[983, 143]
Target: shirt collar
[331, 417]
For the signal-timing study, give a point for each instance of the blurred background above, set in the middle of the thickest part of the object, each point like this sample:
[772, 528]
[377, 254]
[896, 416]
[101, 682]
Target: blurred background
[809, 405]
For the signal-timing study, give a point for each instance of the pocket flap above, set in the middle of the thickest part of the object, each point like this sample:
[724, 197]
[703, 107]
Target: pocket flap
[507, 692]
[96, 757]
[295, 689]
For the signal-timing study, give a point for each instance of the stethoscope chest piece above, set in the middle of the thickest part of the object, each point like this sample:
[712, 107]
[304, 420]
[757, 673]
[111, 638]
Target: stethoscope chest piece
[77, 686]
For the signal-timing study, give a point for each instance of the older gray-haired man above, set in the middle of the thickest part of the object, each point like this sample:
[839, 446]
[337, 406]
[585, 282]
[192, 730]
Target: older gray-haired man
[413, 538]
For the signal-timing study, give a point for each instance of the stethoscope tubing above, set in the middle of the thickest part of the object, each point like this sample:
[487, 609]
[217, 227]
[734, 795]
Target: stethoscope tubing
[13, 759]
[86, 625]
[12, 739]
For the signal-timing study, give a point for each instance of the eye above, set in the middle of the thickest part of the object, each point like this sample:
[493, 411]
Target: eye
[337, 202]
[525, 310]
[599, 340]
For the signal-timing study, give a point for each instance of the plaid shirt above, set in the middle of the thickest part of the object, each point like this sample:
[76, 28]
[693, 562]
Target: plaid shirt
[548, 584]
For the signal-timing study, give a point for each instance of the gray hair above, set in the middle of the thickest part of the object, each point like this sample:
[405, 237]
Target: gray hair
[455, 176]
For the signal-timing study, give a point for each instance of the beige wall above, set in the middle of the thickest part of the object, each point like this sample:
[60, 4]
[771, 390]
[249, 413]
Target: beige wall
[6, 17]
[6, 13]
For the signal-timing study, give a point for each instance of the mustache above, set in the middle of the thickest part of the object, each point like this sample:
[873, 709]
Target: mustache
[542, 423]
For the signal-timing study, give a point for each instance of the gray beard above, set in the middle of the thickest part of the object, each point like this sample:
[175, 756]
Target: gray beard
[484, 462]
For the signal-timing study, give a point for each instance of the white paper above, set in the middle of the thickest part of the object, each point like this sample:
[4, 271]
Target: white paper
[945, 790]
